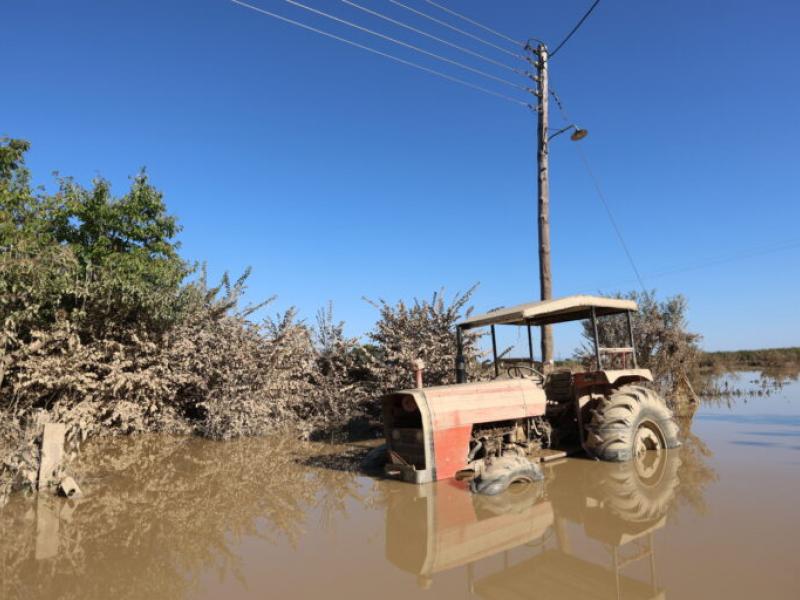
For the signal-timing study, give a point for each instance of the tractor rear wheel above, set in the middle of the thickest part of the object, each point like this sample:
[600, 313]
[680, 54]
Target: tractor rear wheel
[630, 422]
[641, 490]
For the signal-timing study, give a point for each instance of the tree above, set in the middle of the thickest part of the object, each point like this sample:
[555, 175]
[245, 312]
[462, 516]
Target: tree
[83, 261]
[127, 253]
[36, 271]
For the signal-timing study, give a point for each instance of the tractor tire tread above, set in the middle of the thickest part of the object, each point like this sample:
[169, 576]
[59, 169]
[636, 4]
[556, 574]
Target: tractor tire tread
[610, 434]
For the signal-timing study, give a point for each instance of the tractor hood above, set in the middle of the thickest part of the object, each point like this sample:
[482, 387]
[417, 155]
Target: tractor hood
[462, 404]
[428, 429]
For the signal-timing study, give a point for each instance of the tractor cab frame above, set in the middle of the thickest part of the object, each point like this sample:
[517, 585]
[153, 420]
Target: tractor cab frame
[550, 312]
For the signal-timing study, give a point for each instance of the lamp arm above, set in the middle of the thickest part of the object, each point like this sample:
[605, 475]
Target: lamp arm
[560, 131]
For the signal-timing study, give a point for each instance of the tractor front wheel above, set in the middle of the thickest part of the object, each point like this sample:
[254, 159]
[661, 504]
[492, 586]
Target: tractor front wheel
[630, 422]
[504, 471]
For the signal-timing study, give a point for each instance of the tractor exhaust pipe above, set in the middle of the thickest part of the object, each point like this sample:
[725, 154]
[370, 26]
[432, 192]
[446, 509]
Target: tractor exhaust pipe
[461, 366]
[419, 367]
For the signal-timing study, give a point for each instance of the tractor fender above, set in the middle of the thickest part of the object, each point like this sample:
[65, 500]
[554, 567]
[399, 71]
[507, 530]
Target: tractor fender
[620, 377]
[612, 377]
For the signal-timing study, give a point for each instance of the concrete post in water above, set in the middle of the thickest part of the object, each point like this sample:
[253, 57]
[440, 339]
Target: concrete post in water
[52, 452]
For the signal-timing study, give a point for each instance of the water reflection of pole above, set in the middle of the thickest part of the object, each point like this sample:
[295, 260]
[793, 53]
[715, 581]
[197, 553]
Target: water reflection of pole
[615, 563]
[561, 535]
[652, 563]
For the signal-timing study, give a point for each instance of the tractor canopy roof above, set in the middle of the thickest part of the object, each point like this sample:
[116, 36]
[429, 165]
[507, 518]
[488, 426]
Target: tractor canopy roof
[569, 308]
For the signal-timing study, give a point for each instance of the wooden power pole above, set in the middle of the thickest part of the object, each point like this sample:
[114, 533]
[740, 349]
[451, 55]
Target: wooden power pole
[545, 275]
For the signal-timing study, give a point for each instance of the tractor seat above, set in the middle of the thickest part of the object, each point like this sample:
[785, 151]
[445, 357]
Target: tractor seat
[558, 386]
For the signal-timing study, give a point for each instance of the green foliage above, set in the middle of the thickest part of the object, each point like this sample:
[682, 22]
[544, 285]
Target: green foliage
[127, 254]
[36, 272]
[107, 263]
[12, 158]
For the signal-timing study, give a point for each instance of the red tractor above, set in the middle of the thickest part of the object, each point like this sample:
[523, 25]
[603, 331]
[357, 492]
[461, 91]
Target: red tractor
[494, 433]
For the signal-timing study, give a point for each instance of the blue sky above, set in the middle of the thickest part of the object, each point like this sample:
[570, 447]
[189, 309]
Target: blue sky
[338, 174]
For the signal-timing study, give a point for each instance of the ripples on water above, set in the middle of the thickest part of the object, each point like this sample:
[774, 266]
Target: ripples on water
[188, 518]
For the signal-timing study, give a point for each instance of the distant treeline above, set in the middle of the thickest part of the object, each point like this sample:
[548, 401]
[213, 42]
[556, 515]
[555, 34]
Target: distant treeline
[751, 359]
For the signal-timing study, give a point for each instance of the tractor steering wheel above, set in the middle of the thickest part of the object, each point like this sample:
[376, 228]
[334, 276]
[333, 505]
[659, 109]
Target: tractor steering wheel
[517, 372]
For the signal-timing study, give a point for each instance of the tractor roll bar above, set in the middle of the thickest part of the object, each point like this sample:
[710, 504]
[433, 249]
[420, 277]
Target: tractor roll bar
[461, 366]
[598, 349]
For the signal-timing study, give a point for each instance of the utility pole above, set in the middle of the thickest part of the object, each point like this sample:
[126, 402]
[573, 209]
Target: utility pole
[543, 159]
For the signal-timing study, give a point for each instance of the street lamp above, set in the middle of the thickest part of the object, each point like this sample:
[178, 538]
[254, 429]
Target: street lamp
[577, 135]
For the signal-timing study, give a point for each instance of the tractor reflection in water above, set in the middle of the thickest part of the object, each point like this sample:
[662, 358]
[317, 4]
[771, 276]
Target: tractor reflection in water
[494, 433]
[539, 533]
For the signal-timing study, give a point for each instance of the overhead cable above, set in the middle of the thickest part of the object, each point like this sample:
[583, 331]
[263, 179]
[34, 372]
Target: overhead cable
[436, 38]
[454, 28]
[601, 196]
[381, 53]
[406, 45]
[474, 22]
[574, 29]
[714, 262]
[734, 257]
[611, 216]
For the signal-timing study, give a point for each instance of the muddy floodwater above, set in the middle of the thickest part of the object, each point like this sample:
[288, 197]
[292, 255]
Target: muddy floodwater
[187, 518]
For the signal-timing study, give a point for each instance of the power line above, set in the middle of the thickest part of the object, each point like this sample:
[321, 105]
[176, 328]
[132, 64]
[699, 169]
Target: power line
[433, 37]
[472, 21]
[454, 28]
[610, 216]
[788, 245]
[719, 260]
[600, 194]
[574, 29]
[406, 45]
[735, 257]
[383, 54]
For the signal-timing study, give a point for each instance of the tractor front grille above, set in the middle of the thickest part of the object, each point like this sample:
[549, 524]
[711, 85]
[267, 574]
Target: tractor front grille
[407, 446]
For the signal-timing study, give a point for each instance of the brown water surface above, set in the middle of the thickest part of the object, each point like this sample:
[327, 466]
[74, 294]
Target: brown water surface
[187, 518]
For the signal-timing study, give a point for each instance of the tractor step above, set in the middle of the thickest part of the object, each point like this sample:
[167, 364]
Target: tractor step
[547, 456]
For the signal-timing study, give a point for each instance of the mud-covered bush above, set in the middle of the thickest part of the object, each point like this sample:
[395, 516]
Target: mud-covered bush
[344, 377]
[217, 374]
[244, 378]
[105, 328]
[420, 330]
[661, 337]
[19, 454]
